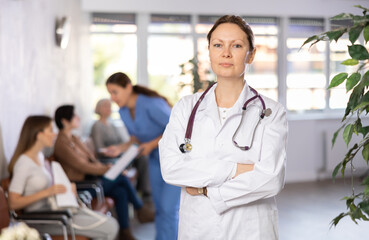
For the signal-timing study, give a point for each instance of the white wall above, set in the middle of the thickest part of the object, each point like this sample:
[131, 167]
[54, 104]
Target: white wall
[249, 7]
[35, 75]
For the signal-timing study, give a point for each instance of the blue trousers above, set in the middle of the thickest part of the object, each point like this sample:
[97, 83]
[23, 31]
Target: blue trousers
[122, 191]
[166, 200]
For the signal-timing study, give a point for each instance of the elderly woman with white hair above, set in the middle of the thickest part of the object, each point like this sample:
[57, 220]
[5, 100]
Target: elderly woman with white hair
[103, 133]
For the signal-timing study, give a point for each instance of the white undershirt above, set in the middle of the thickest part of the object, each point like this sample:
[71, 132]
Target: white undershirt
[223, 114]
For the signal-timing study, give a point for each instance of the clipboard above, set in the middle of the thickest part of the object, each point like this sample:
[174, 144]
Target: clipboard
[66, 199]
[122, 163]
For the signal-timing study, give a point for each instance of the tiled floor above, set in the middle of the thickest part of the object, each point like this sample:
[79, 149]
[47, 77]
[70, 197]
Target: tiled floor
[305, 212]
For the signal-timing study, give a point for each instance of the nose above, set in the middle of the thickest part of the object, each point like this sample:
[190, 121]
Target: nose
[227, 52]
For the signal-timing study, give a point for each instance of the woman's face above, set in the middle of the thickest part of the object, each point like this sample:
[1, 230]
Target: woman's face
[47, 136]
[229, 51]
[73, 123]
[118, 94]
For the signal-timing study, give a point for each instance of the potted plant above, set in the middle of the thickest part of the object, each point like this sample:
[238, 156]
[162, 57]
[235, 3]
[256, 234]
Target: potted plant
[357, 106]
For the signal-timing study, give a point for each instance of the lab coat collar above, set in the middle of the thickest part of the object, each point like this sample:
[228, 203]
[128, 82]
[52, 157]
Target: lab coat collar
[209, 105]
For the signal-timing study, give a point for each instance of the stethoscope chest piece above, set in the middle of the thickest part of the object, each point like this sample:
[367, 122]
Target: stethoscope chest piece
[185, 147]
[267, 112]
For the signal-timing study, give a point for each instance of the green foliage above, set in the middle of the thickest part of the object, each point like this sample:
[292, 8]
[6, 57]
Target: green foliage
[358, 83]
[352, 81]
[191, 67]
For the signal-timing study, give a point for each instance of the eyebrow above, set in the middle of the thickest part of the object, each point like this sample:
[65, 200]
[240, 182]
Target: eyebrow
[231, 40]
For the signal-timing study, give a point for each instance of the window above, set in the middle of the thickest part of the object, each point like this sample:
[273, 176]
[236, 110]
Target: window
[168, 41]
[262, 74]
[170, 44]
[114, 48]
[338, 53]
[306, 79]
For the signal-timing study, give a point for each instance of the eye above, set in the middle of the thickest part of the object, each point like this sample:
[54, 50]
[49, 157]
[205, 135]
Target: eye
[237, 46]
[217, 45]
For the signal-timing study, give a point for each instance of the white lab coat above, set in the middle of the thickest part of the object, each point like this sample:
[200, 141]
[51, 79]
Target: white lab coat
[236, 208]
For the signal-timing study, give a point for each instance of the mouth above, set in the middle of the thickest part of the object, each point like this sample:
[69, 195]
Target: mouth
[226, 65]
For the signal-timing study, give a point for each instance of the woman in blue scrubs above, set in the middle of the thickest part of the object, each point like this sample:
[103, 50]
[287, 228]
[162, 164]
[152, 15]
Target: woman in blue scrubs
[145, 114]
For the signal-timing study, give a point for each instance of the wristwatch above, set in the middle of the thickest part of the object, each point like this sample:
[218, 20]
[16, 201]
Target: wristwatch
[203, 191]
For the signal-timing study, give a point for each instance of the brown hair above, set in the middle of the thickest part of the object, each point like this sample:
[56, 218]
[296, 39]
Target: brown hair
[28, 136]
[239, 22]
[121, 79]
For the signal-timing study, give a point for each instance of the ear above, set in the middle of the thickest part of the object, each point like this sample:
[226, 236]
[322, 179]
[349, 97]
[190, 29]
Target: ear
[250, 56]
[38, 135]
[64, 122]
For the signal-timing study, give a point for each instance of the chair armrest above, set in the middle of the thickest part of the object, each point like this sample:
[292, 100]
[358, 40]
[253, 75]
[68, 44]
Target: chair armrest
[93, 185]
[44, 218]
[64, 212]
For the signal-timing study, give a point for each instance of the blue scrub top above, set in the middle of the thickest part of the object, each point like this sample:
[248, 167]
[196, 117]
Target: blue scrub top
[151, 117]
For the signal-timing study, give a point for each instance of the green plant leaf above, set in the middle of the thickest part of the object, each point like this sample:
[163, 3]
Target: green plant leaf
[338, 79]
[364, 205]
[342, 16]
[312, 38]
[365, 153]
[336, 220]
[364, 131]
[335, 35]
[366, 33]
[363, 103]
[352, 81]
[335, 171]
[366, 191]
[354, 33]
[347, 133]
[357, 126]
[366, 181]
[349, 201]
[365, 80]
[359, 6]
[350, 62]
[335, 136]
[358, 52]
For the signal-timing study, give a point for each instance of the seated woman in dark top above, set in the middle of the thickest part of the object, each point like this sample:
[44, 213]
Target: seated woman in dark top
[78, 161]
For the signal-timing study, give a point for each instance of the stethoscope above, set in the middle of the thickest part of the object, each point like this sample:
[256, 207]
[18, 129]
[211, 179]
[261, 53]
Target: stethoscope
[187, 147]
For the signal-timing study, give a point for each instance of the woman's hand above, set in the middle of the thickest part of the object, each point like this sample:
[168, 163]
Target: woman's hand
[242, 168]
[145, 148]
[74, 189]
[193, 191]
[113, 151]
[134, 140]
[56, 189]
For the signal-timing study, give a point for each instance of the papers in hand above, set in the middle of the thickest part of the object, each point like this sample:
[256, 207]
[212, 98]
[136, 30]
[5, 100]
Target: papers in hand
[122, 163]
[66, 199]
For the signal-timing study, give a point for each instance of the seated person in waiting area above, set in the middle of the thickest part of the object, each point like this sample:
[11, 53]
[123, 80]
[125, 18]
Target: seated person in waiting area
[78, 162]
[31, 186]
[105, 135]
[103, 132]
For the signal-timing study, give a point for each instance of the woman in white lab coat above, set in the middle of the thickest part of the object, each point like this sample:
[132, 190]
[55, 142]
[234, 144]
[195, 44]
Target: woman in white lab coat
[227, 192]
